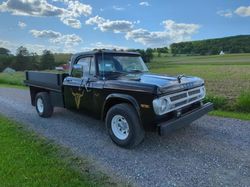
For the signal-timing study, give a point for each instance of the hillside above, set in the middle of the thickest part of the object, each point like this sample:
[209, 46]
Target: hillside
[232, 44]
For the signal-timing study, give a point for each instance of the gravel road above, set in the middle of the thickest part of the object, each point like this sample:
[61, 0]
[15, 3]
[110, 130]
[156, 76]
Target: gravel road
[212, 151]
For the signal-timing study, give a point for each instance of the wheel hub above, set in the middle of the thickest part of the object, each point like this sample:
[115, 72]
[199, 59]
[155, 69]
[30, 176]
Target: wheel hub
[120, 127]
[40, 106]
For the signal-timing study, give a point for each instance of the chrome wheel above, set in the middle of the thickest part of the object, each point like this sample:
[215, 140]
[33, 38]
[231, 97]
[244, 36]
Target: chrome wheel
[40, 106]
[120, 127]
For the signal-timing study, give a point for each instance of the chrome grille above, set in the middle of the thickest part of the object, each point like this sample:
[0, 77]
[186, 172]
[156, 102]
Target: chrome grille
[185, 98]
[179, 96]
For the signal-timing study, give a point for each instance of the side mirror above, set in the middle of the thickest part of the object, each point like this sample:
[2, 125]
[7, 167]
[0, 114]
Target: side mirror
[77, 71]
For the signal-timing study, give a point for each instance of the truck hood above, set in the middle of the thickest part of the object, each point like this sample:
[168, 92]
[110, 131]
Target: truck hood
[153, 83]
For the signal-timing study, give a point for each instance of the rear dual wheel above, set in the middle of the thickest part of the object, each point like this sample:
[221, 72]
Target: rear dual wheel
[43, 105]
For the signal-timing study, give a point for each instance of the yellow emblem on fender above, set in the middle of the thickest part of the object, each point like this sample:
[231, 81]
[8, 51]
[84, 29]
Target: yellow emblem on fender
[77, 98]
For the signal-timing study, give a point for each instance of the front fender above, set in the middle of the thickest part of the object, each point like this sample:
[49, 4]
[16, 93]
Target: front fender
[119, 98]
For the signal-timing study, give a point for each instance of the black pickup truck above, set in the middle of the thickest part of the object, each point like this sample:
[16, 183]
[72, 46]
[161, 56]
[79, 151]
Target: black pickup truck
[116, 87]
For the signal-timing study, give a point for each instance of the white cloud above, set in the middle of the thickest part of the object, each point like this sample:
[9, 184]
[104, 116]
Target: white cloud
[77, 9]
[180, 29]
[148, 38]
[116, 26]
[42, 8]
[243, 11]
[174, 32]
[68, 40]
[100, 45]
[21, 24]
[31, 8]
[225, 13]
[118, 8]
[54, 37]
[144, 3]
[95, 20]
[72, 22]
[45, 34]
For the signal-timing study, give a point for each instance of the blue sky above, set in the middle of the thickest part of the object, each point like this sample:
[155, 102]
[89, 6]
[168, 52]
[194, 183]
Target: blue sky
[78, 25]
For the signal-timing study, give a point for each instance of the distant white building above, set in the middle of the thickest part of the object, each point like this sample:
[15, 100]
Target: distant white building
[59, 68]
[9, 70]
[222, 53]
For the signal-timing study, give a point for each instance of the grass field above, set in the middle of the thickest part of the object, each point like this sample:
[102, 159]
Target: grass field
[26, 160]
[225, 76]
[16, 78]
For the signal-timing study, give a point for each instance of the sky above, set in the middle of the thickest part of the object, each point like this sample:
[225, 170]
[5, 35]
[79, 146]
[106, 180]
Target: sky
[80, 25]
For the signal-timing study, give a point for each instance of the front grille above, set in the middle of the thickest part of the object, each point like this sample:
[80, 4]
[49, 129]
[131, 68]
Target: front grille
[180, 103]
[185, 98]
[177, 97]
[194, 92]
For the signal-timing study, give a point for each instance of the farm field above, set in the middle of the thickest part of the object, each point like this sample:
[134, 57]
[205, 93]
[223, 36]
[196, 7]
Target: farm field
[226, 76]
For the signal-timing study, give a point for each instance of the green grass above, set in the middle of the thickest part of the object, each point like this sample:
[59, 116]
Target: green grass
[225, 76]
[16, 78]
[226, 114]
[28, 160]
[13, 86]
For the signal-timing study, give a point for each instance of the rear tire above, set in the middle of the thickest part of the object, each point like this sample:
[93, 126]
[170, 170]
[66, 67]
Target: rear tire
[124, 126]
[43, 104]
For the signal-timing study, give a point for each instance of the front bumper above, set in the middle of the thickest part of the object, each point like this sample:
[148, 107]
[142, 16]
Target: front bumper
[174, 124]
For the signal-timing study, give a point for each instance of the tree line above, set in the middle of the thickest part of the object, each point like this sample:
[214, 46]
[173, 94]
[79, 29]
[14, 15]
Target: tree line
[148, 54]
[234, 44]
[24, 60]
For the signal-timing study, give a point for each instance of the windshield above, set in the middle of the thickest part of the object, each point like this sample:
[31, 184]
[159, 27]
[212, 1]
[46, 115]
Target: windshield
[112, 63]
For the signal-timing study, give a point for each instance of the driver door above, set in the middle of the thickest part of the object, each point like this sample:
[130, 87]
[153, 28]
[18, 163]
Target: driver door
[77, 93]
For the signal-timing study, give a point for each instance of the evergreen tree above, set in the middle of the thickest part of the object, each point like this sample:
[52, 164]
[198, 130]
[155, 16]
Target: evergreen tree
[22, 59]
[47, 60]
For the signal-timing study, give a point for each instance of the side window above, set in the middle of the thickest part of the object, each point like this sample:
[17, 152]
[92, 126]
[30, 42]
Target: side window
[106, 64]
[88, 67]
[92, 66]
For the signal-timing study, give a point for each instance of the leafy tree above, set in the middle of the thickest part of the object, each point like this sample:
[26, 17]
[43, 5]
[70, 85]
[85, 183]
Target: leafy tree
[34, 62]
[149, 55]
[22, 59]
[4, 51]
[233, 44]
[47, 60]
[5, 61]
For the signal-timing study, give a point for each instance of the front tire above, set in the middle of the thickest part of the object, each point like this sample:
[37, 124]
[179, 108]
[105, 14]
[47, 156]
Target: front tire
[124, 126]
[44, 107]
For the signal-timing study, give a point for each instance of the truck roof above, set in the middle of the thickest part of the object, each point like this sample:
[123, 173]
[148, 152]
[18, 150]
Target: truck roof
[74, 56]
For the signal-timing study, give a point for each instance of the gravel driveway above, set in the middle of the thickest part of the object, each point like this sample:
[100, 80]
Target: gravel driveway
[212, 151]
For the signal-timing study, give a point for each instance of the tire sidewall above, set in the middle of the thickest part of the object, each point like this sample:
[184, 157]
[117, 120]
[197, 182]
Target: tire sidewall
[120, 111]
[47, 107]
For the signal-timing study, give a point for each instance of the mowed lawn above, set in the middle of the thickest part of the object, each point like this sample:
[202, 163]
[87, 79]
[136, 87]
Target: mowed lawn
[226, 75]
[27, 160]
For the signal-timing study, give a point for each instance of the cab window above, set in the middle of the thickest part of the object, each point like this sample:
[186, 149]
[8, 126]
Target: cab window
[88, 67]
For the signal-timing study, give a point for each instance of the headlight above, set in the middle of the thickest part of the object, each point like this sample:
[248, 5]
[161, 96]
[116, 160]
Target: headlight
[203, 91]
[160, 105]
